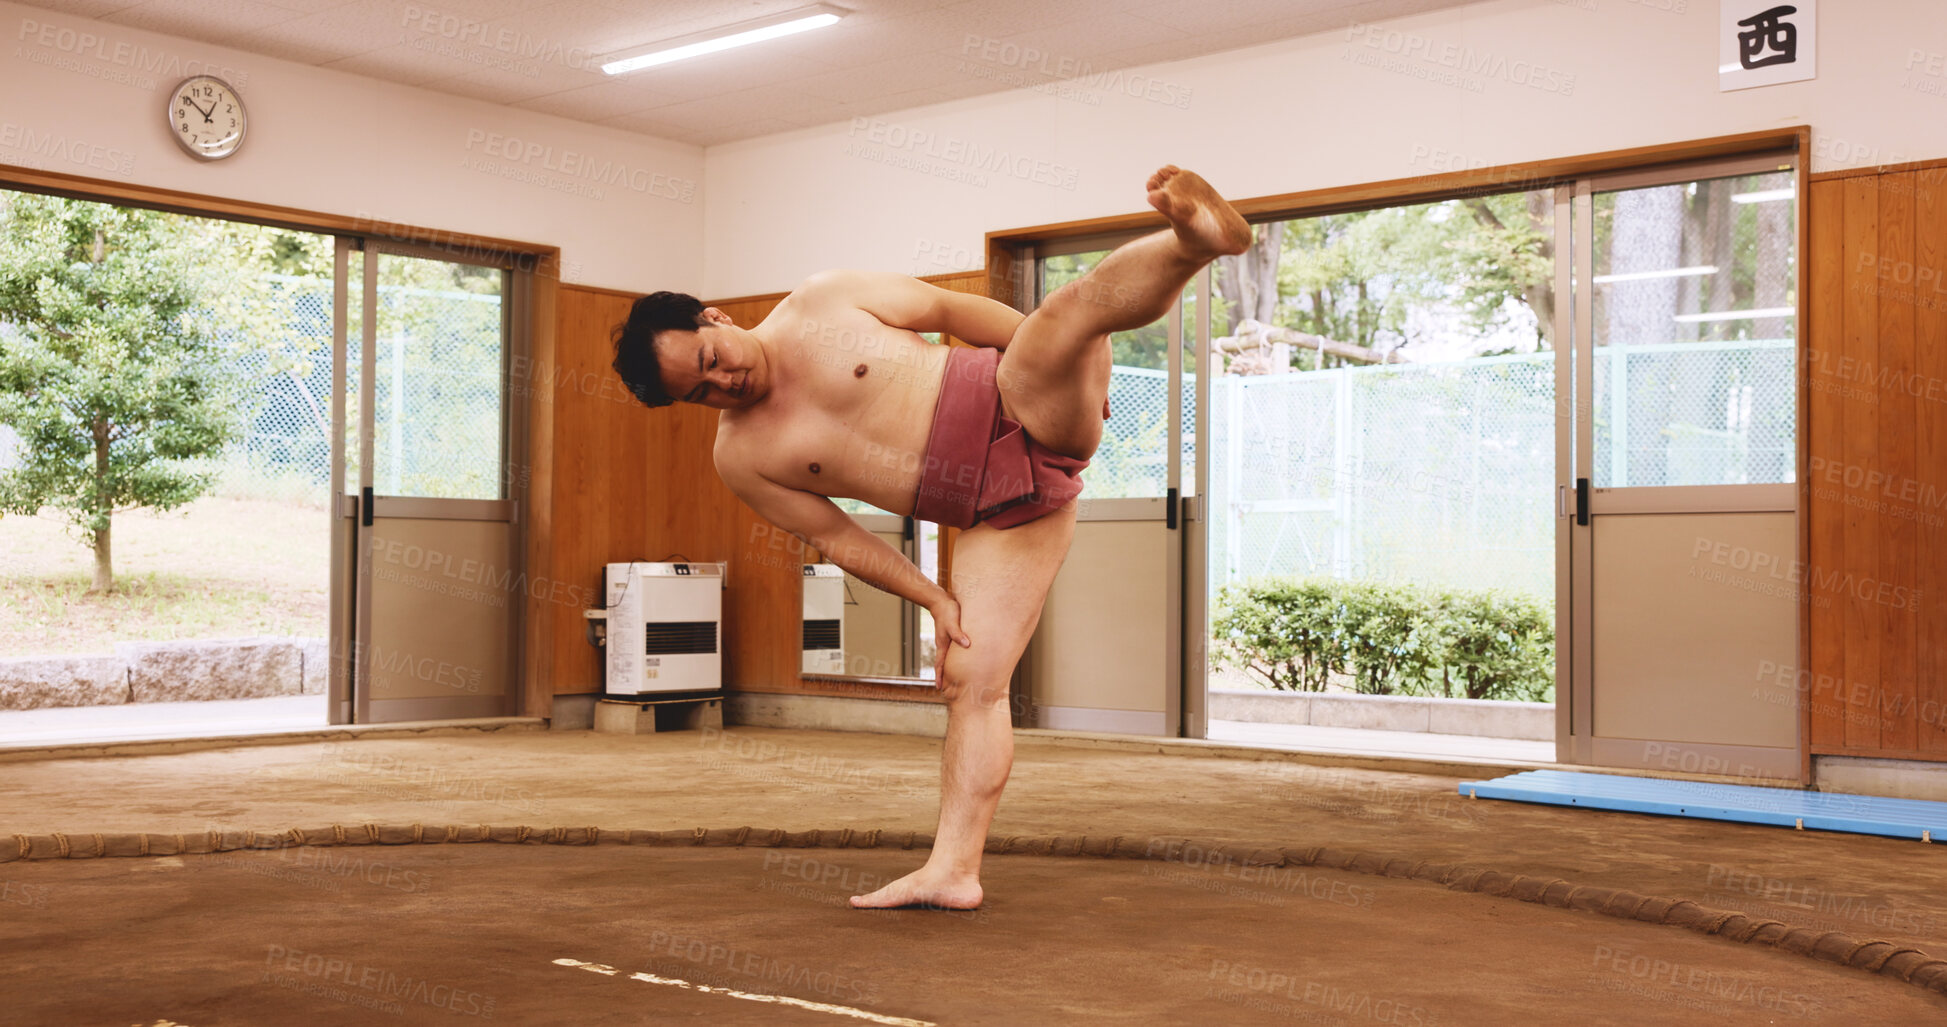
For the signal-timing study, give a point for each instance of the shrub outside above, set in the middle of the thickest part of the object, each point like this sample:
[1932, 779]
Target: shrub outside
[1298, 634]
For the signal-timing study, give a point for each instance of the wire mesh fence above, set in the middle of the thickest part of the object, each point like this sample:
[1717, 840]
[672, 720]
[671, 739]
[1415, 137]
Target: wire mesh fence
[1694, 413]
[1443, 473]
[1132, 460]
[283, 448]
[436, 411]
[437, 377]
[1435, 473]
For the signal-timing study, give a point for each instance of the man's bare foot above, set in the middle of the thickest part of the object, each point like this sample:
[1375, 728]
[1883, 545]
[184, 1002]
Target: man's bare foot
[926, 888]
[1203, 220]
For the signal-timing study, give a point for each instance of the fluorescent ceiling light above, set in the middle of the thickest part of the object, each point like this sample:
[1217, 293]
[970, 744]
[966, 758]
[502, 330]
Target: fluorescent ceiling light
[1739, 315]
[1765, 196]
[1675, 272]
[741, 34]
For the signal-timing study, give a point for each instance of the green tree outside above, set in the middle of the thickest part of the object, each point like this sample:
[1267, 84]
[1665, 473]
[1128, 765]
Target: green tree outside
[119, 332]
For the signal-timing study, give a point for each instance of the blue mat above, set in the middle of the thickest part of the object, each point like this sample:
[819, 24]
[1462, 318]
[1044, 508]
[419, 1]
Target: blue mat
[1779, 807]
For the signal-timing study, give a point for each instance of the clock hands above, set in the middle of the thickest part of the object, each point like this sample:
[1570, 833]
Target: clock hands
[209, 140]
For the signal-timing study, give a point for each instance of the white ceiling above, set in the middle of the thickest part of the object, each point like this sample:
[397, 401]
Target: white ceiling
[887, 55]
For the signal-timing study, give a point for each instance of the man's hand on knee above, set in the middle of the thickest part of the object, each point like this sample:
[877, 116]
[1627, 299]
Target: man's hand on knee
[946, 627]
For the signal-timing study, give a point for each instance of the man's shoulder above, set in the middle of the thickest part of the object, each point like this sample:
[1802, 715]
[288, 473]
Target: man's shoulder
[732, 454]
[830, 280]
[729, 439]
[816, 296]
[849, 286]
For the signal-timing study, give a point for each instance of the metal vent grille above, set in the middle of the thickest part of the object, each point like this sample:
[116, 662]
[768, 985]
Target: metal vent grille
[821, 634]
[676, 637]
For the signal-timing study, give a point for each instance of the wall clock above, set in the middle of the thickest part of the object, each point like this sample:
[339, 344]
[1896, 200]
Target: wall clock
[206, 117]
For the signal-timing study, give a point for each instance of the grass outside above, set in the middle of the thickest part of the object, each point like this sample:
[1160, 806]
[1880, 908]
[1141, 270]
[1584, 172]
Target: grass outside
[219, 568]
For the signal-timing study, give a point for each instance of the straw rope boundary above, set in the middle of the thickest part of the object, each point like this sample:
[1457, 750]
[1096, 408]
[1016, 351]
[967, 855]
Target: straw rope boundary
[1911, 965]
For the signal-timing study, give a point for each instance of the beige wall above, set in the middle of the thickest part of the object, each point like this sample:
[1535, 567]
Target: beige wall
[1103, 639]
[1304, 114]
[1681, 632]
[874, 634]
[429, 641]
[85, 97]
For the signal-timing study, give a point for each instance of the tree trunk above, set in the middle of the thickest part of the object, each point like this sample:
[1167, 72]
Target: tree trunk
[1270, 246]
[1539, 296]
[1646, 234]
[1774, 267]
[1773, 290]
[1247, 284]
[104, 511]
[104, 562]
[1696, 382]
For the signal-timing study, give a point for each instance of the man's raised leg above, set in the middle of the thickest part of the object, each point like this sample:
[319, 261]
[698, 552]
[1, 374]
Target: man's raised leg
[1054, 373]
[1001, 579]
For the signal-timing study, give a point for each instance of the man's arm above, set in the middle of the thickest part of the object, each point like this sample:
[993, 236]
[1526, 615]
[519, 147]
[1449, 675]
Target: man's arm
[819, 523]
[917, 306]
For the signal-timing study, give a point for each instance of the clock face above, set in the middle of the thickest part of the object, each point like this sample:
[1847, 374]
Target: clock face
[206, 117]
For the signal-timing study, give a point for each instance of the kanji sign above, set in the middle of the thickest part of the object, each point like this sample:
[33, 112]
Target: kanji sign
[1765, 42]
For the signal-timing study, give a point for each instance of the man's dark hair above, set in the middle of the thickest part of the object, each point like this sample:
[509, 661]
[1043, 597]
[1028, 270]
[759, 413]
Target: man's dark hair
[635, 341]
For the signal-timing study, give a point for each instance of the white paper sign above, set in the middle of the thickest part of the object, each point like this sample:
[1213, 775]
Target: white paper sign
[1765, 42]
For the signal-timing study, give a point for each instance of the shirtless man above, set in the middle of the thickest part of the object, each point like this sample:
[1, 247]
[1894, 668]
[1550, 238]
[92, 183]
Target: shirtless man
[835, 395]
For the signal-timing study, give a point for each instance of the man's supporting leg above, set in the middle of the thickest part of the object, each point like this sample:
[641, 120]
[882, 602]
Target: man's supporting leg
[1001, 579]
[1055, 371]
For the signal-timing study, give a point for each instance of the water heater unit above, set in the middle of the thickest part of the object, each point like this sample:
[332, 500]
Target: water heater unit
[664, 627]
[824, 619]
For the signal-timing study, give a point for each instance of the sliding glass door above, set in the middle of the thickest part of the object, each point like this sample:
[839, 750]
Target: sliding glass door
[1374, 448]
[1123, 576]
[430, 580]
[1681, 550]
[1520, 462]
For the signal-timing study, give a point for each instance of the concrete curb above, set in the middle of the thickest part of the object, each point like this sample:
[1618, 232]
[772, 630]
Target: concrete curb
[293, 736]
[168, 671]
[1486, 718]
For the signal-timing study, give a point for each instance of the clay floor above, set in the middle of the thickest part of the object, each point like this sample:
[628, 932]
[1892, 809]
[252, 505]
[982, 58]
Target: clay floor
[550, 934]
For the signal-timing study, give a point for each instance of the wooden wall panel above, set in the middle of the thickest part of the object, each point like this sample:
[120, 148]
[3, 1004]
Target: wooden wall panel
[1860, 558]
[1930, 456]
[579, 486]
[1894, 555]
[1825, 424]
[536, 477]
[629, 483]
[1877, 433]
[632, 483]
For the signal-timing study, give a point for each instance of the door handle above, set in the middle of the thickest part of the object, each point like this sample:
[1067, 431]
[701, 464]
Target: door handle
[1169, 511]
[365, 506]
[1582, 502]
